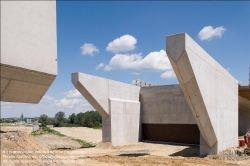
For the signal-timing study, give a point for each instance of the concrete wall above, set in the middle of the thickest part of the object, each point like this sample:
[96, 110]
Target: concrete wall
[244, 116]
[211, 92]
[118, 103]
[28, 49]
[122, 125]
[165, 105]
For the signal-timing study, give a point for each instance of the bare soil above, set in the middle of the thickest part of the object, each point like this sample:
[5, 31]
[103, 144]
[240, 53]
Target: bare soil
[51, 141]
[17, 138]
[84, 133]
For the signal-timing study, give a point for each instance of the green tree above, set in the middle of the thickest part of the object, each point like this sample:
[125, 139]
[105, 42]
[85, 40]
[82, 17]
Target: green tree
[59, 118]
[72, 118]
[89, 119]
[43, 119]
[50, 121]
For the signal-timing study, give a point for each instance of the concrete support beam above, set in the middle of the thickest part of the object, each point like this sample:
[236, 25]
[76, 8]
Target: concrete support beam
[28, 49]
[118, 103]
[211, 92]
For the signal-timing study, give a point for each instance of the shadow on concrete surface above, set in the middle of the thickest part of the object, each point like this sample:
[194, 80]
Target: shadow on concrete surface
[187, 152]
[133, 154]
[171, 143]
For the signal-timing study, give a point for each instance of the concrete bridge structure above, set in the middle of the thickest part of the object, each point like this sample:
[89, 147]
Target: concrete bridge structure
[209, 104]
[209, 107]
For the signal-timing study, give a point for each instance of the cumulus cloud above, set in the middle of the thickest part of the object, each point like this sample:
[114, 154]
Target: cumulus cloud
[135, 73]
[72, 98]
[168, 75]
[122, 44]
[71, 102]
[72, 94]
[99, 66]
[154, 61]
[209, 32]
[89, 49]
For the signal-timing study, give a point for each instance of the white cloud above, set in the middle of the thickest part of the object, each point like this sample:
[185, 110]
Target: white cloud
[99, 66]
[72, 94]
[154, 61]
[208, 32]
[71, 102]
[73, 98]
[124, 43]
[133, 82]
[89, 49]
[168, 75]
[135, 73]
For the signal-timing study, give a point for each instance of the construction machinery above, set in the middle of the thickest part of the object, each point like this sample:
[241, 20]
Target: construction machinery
[247, 141]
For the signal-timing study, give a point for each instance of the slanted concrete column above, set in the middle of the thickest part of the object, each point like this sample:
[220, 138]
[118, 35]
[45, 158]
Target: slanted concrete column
[211, 92]
[117, 102]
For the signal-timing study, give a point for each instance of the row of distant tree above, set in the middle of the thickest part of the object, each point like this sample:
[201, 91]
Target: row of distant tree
[14, 120]
[87, 119]
[8, 120]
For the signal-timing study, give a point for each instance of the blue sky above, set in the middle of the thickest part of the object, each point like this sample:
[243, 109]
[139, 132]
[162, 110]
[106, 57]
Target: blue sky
[87, 33]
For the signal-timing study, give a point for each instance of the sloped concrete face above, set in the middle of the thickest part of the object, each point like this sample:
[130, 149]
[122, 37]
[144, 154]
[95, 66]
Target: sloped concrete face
[28, 49]
[117, 102]
[211, 92]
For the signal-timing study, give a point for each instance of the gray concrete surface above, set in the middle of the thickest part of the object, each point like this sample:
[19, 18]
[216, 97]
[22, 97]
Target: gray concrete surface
[28, 49]
[117, 102]
[122, 126]
[211, 92]
[165, 105]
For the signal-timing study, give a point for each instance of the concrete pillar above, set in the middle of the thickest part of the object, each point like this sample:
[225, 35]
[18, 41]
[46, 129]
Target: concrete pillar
[211, 92]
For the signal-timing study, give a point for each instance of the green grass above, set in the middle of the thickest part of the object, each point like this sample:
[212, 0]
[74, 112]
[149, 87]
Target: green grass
[84, 144]
[46, 130]
[99, 128]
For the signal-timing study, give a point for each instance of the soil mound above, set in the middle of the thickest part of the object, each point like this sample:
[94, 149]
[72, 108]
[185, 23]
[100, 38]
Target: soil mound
[19, 148]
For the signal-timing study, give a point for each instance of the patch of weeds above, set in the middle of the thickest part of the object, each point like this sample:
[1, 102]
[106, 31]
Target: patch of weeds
[99, 128]
[46, 130]
[34, 134]
[84, 144]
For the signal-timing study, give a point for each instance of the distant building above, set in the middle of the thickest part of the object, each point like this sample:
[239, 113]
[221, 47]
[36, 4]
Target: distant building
[28, 120]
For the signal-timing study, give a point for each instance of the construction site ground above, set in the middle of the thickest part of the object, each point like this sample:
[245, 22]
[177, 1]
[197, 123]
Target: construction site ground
[19, 147]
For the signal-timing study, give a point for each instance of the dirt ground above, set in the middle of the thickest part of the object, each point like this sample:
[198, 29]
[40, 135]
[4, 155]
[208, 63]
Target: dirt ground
[84, 133]
[54, 150]
[51, 141]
